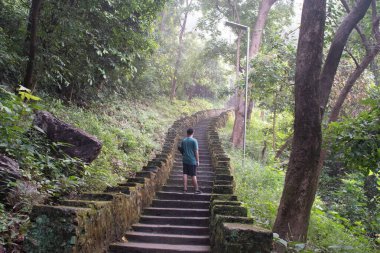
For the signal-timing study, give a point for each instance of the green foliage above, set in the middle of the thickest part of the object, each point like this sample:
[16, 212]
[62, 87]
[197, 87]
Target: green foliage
[40, 160]
[12, 227]
[358, 139]
[86, 49]
[256, 179]
[355, 152]
[12, 36]
[259, 185]
[273, 76]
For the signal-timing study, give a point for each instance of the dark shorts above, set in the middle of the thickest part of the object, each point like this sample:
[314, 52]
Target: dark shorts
[190, 169]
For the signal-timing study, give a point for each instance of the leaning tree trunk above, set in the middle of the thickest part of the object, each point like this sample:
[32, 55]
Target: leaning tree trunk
[238, 131]
[336, 49]
[350, 83]
[284, 146]
[301, 179]
[31, 42]
[332, 62]
[257, 32]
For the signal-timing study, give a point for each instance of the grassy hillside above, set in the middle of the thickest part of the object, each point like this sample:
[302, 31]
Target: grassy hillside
[131, 132]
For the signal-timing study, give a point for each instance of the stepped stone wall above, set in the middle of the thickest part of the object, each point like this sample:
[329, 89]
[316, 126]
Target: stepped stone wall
[231, 230]
[92, 221]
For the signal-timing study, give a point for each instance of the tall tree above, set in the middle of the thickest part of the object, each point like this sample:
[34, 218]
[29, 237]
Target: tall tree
[304, 169]
[31, 42]
[257, 32]
[300, 182]
[183, 23]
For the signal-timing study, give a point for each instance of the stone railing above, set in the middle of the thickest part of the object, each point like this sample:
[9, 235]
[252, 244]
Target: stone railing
[92, 221]
[231, 230]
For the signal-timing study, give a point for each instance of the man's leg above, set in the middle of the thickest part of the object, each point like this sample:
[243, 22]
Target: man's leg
[184, 182]
[195, 182]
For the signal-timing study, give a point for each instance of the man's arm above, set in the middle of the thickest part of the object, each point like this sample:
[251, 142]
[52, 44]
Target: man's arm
[196, 152]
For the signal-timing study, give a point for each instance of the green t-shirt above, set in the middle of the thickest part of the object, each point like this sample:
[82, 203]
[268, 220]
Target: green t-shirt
[190, 146]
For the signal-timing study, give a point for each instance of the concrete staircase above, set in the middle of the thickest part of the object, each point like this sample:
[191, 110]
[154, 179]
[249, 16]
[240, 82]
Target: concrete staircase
[176, 221]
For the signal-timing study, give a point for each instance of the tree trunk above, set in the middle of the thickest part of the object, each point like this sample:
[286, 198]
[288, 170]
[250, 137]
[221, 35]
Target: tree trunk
[376, 73]
[274, 127]
[263, 151]
[301, 179]
[31, 42]
[237, 134]
[287, 143]
[277, 93]
[179, 52]
[238, 130]
[372, 192]
[336, 49]
[258, 28]
[163, 21]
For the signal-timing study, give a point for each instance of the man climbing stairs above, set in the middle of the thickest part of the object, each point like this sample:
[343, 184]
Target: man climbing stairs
[176, 221]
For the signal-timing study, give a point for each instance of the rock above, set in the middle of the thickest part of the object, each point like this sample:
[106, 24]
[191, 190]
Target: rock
[81, 144]
[9, 172]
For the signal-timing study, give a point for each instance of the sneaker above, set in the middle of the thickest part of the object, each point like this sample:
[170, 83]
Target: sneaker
[184, 191]
[197, 192]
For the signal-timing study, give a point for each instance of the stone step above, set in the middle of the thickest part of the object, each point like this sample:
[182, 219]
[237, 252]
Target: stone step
[199, 177]
[202, 162]
[180, 204]
[168, 238]
[171, 229]
[190, 188]
[180, 182]
[201, 155]
[179, 169]
[178, 161]
[199, 173]
[183, 196]
[157, 248]
[178, 221]
[176, 212]
[201, 168]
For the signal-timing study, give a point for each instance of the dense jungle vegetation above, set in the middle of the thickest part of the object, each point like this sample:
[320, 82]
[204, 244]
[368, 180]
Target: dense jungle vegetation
[123, 71]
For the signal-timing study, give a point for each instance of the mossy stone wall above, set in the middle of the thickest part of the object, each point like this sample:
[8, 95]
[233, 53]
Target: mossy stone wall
[231, 230]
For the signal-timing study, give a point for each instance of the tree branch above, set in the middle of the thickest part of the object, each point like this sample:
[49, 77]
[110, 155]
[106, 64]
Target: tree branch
[351, 81]
[352, 56]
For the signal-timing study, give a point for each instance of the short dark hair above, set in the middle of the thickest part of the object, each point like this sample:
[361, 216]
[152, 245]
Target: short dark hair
[190, 131]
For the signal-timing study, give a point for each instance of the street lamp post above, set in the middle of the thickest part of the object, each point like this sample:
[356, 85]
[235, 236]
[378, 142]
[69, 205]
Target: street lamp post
[243, 27]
